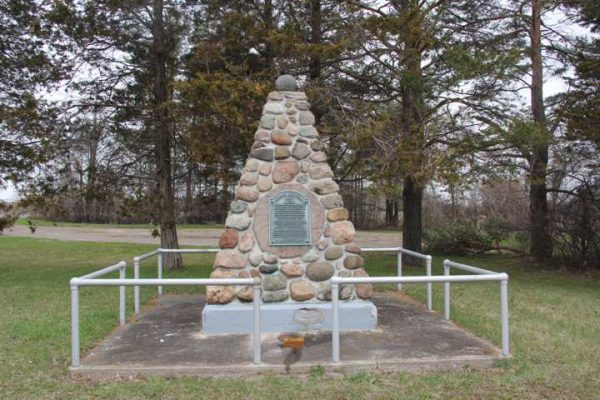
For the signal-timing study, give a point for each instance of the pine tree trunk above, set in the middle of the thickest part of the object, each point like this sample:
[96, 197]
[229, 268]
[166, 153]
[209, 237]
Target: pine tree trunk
[412, 143]
[412, 201]
[541, 243]
[163, 141]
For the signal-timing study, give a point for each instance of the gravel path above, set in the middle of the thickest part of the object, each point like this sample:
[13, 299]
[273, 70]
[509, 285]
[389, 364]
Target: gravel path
[188, 237]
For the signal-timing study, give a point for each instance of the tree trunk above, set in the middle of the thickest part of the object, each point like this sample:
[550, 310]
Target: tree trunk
[412, 199]
[163, 141]
[541, 242]
[412, 141]
[315, 39]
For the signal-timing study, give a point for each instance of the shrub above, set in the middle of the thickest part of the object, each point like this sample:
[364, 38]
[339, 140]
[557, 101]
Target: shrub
[456, 239]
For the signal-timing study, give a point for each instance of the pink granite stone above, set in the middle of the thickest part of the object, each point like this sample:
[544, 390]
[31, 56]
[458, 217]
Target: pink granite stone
[247, 242]
[285, 171]
[229, 259]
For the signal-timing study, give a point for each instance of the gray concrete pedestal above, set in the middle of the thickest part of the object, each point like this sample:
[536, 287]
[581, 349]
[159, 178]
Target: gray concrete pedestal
[288, 317]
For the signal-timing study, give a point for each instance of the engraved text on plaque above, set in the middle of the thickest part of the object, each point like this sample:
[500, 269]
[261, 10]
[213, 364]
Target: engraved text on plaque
[289, 219]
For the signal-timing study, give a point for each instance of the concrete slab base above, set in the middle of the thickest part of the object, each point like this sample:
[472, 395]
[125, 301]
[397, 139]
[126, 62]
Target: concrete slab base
[288, 317]
[167, 341]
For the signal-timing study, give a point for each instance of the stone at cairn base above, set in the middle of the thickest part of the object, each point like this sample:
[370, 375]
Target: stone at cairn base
[288, 317]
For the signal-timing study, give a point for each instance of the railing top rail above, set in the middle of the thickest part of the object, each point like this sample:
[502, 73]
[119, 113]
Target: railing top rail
[104, 271]
[469, 268]
[161, 250]
[396, 249]
[166, 282]
[421, 279]
[144, 256]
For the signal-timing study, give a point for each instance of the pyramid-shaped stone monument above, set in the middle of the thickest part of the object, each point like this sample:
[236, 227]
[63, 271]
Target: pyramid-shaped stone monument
[288, 226]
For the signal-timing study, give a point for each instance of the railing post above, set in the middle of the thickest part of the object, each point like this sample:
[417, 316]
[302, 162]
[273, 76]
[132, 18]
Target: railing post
[428, 284]
[74, 326]
[256, 339]
[160, 270]
[136, 288]
[335, 329]
[399, 268]
[446, 291]
[122, 295]
[504, 317]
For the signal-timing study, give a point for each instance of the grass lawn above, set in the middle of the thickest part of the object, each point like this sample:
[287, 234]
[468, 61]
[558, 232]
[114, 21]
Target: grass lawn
[555, 334]
[43, 222]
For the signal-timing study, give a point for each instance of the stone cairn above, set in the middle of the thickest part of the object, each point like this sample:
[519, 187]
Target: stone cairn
[287, 154]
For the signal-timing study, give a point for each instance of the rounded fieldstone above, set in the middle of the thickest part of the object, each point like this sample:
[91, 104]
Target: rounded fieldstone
[319, 157]
[223, 274]
[309, 257]
[302, 179]
[353, 248]
[274, 282]
[275, 296]
[319, 271]
[276, 96]
[246, 242]
[262, 135]
[354, 262]
[267, 121]
[292, 270]
[245, 294]
[265, 154]
[255, 257]
[264, 184]
[268, 268]
[281, 137]
[302, 290]
[282, 152]
[257, 145]
[363, 290]
[334, 252]
[308, 131]
[324, 186]
[246, 193]
[300, 151]
[270, 258]
[282, 122]
[220, 294]
[332, 201]
[249, 179]
[251, 165]
[343, 232]
[229, 259]
[316, 145]
[292, 117]
[229, 239]
[273, 108]
[303, 105]
[292, 130]
[306, 118]
[285, 171]
[238, 206]
[324, 293]
[337, 214]
[320, 172]
[264, 169]
[237, 221]
[322, 244]
[286, 83]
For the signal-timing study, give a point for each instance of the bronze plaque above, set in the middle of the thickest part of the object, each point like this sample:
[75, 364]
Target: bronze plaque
[289, 219]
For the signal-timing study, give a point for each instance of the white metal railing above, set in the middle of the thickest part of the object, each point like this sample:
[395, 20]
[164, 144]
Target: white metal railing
[399, 251]
[483, 275]
[159, 252]
[92, 279]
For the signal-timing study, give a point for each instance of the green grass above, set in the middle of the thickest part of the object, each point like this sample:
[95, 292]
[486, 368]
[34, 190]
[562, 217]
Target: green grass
[43, 222]
[555, 334]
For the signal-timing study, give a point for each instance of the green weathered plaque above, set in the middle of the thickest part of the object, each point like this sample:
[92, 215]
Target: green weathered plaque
[289, 219]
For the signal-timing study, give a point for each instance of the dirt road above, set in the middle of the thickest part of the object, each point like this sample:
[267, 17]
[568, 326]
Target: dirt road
[188, 237]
